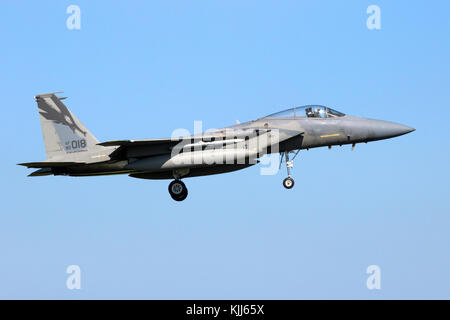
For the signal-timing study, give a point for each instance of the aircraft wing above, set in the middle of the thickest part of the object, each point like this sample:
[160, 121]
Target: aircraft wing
[140, 148]
[174, 141]
[151, 147]
[155, 142]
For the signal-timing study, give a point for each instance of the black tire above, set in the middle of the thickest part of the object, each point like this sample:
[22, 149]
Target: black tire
[288, 183]
[183, 196]
[178, 190]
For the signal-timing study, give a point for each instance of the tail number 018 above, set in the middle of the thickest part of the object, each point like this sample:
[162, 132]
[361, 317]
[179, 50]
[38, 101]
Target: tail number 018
[78, 144]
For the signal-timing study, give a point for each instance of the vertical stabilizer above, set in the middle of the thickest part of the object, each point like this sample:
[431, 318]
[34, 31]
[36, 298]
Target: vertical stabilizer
[63, 133]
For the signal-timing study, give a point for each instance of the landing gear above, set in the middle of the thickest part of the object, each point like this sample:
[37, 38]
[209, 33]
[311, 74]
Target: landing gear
[288, 183]
[178, 190]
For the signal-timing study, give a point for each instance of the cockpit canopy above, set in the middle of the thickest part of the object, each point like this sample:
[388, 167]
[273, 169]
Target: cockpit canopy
[312, 111]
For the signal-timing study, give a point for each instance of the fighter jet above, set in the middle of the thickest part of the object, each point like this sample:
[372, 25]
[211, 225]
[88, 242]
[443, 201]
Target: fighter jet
[72, 150]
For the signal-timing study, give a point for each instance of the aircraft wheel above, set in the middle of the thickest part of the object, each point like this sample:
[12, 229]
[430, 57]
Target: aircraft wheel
[288, 183]
[178, 190]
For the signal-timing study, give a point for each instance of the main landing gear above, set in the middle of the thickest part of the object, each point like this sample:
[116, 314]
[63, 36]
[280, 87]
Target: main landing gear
[288, 183]
[178, 190]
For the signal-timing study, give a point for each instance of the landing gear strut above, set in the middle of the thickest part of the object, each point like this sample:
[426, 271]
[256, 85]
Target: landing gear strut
[288, 183]
[178, 190]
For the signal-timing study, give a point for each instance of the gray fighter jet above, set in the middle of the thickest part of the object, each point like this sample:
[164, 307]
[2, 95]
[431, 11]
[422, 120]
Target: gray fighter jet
[73, 151]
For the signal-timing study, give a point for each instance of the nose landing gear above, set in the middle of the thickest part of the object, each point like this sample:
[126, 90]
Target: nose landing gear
[178, 190]
[288, 183]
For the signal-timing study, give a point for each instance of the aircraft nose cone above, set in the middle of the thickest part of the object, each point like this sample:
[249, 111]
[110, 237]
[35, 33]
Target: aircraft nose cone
[409, 129]
[385, 129]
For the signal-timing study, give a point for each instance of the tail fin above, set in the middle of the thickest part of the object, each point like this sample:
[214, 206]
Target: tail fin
[63, 133]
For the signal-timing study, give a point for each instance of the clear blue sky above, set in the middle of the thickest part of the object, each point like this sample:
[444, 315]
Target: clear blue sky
[140, 69]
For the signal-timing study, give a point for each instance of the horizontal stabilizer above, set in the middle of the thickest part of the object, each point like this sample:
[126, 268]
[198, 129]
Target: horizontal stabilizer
[127, 143]
[48, 164]
[41, 172]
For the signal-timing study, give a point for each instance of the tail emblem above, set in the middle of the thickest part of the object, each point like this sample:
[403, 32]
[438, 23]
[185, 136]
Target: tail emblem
[52, 109]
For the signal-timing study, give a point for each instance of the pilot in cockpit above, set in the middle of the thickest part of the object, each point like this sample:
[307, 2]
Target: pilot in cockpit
[317, 112]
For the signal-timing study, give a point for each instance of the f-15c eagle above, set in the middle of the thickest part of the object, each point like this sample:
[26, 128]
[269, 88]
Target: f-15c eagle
[72, 150]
